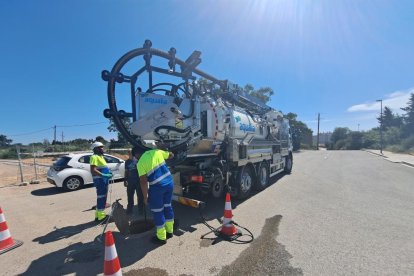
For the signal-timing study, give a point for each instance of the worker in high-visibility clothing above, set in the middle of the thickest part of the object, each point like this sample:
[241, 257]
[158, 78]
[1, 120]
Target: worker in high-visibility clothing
[157, 187]
[101, 175]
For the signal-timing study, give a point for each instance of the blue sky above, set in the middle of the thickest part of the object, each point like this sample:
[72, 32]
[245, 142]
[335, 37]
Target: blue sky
[319, 56]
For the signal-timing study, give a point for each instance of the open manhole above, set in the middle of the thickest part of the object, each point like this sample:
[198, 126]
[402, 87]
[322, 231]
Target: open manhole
[134, 227]
[140, 226]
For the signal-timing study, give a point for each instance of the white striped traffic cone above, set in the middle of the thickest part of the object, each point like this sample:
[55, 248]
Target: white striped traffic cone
[6, 241]
[228, 228]
[111, 263]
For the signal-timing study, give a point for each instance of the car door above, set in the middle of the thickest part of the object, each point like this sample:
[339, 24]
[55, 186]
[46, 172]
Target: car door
[116, 166]
[83, 164]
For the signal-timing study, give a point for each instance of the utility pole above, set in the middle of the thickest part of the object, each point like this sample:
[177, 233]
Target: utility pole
[54, 139]
[317, 137]
[380, 127]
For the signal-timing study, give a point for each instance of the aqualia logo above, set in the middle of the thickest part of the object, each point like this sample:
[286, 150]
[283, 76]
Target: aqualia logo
[155, 101]
[247, 128]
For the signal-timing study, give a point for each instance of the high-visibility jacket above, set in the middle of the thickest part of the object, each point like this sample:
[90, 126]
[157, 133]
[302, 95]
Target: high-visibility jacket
[152, 163]
[100, 163]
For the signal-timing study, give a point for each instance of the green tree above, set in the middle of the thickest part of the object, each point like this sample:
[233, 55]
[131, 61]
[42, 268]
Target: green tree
[371, 139]
[101, 139]
[389, 119]
[263, 93]
[354, 140]
[4, 141]
[340, 133]
[112, 128]
[409, 117]
[301, 134]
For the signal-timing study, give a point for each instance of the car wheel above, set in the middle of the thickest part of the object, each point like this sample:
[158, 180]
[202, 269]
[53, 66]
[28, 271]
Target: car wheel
[245, 182]
[72, 183]
[263, 176]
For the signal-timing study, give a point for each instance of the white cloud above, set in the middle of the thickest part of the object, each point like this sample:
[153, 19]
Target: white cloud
[395, 101]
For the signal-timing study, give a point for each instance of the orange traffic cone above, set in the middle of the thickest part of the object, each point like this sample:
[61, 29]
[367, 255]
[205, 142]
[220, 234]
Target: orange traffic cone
[111, 264]
[228, 228]
[6, 241]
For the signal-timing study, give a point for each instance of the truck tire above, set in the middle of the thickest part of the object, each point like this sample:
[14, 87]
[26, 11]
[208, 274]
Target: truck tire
[288, 163]
[244, 182]
[72, 183]
[262, 176]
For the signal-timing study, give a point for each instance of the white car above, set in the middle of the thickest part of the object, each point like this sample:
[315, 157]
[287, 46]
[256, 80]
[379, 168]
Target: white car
[72, 171]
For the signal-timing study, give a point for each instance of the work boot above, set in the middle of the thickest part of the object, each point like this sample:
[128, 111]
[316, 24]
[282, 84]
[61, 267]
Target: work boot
[156, 240]
[101, 220]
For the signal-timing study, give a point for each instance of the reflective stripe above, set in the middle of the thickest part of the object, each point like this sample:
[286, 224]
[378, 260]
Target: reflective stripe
[101, 196]
[169, 220]
[160, 178]
[110, 253]
[4, 235]
[151, 171]
[158, 210]
[97, 177]
[227, 206]
[2, 218]
[167, 205]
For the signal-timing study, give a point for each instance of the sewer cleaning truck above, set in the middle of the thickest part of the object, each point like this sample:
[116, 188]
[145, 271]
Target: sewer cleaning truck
[222, 139]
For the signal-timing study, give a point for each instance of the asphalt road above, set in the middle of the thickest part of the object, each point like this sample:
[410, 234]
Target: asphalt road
[338, 213]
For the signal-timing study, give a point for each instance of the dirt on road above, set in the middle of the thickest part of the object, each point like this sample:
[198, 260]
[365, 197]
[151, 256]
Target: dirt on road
[10, 171]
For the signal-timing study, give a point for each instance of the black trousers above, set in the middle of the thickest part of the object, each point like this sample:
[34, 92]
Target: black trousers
[133, 188]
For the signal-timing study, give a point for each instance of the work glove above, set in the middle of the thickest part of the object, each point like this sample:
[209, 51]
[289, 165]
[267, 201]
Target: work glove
[125, 183]
[107, 175]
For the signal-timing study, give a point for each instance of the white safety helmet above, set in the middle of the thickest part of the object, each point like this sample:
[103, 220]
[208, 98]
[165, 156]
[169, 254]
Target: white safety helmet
[96, 144]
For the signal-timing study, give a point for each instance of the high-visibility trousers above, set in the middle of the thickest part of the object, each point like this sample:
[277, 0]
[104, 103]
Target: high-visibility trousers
[101, 185]
[159, 200]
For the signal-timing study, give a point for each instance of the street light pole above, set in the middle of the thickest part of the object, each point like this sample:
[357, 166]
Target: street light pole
[380, 127]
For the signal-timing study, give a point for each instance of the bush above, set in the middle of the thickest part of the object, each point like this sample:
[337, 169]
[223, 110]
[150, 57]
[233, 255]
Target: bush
[408, 143]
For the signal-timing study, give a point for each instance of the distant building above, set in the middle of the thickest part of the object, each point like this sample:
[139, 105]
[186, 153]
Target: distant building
[323, 138]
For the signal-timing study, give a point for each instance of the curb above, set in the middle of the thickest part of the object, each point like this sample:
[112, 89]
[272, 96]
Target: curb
[408, 164]
[388, 159]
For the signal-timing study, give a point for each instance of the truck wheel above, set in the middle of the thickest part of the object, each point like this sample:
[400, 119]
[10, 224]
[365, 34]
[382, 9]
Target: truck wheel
[288, 163]
[217, 187]
[244, 182]
[72, 183]
[263, 176]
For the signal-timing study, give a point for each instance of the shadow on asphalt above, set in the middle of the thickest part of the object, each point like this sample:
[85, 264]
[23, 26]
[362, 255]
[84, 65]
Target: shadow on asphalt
[87, 258]
[64, 233]
[53, 191]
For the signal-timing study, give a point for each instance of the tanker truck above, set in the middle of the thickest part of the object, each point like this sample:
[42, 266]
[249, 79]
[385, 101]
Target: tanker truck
[223, 139]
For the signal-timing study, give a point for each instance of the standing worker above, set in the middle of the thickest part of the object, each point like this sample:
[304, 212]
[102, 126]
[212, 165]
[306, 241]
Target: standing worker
[132, 182]
[101, 175]
[157, 187]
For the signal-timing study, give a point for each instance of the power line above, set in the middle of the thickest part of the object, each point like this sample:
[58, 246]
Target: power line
[54, 127]
[28, 133]
[91, 124]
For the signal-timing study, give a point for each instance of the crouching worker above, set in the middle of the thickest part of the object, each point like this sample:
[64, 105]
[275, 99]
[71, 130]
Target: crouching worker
[101, 175]
[157, 187]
